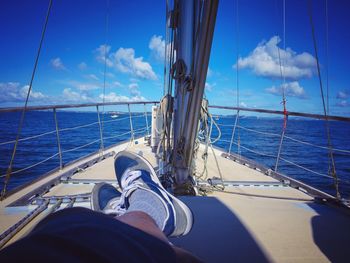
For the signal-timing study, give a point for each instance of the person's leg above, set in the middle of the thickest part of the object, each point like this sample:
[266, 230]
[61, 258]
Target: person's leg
[147, 205]
[144, 222]
[142, 191]
[82, 235]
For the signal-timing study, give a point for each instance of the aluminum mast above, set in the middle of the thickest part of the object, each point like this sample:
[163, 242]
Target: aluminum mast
[195, 28]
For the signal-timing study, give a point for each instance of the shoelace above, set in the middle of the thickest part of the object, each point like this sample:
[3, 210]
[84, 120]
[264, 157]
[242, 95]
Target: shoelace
[116, 207]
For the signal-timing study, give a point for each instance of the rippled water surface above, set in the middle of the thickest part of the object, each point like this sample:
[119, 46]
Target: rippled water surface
[262, 147]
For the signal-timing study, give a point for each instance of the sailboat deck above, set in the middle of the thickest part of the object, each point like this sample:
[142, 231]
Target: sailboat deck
[256, 218]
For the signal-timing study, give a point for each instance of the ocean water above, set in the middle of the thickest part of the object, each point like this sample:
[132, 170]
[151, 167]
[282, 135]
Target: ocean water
[261, 147]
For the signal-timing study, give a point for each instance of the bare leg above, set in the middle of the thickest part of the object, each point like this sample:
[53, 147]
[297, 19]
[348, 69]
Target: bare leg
[145, 223]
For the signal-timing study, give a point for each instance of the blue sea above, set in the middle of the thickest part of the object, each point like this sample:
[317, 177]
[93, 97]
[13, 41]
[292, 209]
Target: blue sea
[261, 147]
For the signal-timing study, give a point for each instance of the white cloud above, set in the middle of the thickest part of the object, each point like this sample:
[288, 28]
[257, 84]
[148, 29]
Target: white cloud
[13, 92]
[117, 84]
[264, 61]
[242, 104]
[57, 64]
[109, 75]
[68, 95]
[33, 95]
[209, 87]
[157, 46]
[113, 97]
[82, 66]
[124, 60]
[343, 94]
[134, 89]
[292, 89]
[210, 73]
[342, 103]
[92, 76]
[84, 86]
[102, 54]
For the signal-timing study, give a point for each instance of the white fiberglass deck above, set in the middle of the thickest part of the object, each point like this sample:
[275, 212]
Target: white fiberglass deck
[255, 219]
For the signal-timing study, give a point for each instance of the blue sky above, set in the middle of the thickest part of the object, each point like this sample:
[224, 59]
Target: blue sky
[72, 61]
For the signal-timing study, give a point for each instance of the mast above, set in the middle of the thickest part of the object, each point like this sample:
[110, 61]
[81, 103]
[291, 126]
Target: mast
[195, 28]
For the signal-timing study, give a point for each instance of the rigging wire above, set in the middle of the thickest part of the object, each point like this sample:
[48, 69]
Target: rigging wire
[330, 147]
[104, 71]
[166, 52]
[237, 77]
[19, 130]
[169, 57]
[283, 77]
[327, 71]
[327, 55]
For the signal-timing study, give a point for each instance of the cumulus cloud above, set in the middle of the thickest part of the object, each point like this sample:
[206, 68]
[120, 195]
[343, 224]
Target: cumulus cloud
[292, 89]
[209, 87]
[69, 95]
[82, 66]
[343, 94]
[210, 72]
[57, 64]
[84, 86]
[79, 93]
[124, 60]
[14, 92]
[243, 104]
[134, 89]
[117, 84]
[102, 54]
[342, 103]
[157, 46]
[264, 61]
[113, 97]
[109, 75]
[93, 76]
[342, 97]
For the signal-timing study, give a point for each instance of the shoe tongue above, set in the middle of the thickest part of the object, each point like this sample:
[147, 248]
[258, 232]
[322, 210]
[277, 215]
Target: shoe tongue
[114, 206]
[130, 177]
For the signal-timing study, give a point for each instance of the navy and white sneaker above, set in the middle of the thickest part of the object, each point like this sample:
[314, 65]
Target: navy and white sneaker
[105, 198]
[135, 172]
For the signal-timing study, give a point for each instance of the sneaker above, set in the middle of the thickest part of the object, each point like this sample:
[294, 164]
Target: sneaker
[105, 198]
[135, 172]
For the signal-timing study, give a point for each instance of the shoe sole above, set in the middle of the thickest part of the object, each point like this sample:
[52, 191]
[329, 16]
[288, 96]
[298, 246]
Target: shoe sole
[95, 204]
[94, 198]
[187, 211]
